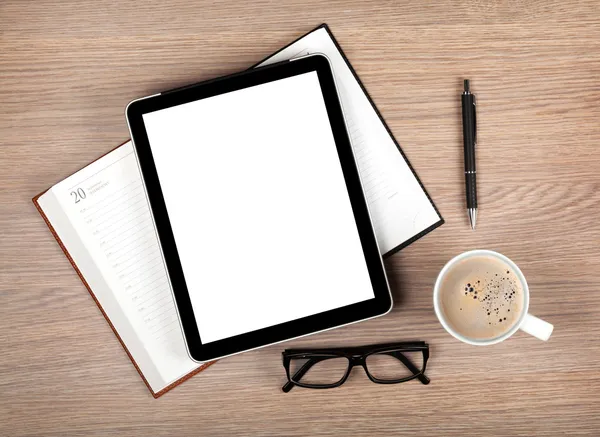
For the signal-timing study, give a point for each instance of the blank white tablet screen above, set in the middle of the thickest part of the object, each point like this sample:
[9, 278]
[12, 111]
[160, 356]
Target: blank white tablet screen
[258, 205]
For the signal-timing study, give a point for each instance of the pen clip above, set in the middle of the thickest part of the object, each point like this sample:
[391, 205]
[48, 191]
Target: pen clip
[474, 122]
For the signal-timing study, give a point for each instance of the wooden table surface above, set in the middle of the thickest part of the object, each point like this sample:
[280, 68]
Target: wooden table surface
[67, 70]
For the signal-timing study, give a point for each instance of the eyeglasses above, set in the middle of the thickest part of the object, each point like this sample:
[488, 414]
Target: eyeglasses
[390, 363]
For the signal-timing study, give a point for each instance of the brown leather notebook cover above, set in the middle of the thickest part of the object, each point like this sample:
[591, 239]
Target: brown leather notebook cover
[64, 249]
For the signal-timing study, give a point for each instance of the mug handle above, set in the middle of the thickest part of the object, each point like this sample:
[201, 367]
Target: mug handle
[537, 327]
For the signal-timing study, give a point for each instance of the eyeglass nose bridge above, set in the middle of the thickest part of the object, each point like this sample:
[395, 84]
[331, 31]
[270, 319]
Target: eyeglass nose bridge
[357, 360]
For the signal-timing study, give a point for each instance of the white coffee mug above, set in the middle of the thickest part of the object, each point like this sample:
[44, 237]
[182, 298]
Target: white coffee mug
[527, 322]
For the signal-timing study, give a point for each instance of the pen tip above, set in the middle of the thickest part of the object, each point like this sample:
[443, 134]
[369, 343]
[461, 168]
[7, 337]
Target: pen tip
[467, 85]
[473, 217]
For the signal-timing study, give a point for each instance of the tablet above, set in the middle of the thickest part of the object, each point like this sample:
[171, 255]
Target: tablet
[258, 207]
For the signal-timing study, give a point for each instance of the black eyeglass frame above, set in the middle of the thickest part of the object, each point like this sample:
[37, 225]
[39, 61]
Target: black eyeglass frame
[356, 356]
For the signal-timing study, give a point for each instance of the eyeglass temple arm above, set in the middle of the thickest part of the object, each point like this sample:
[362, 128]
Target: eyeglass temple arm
[408, 363]
[299, 374]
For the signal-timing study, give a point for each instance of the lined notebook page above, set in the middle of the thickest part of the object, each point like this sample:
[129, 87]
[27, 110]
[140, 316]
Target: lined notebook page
[107, 206]
[399, 207]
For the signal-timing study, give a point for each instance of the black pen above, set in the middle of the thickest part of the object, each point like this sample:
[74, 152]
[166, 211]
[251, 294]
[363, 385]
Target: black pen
[470, 141]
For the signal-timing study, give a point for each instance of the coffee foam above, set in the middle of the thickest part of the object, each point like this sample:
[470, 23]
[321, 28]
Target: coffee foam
[481, 297]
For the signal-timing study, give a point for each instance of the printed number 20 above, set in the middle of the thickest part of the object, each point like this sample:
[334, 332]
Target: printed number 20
[78, 194]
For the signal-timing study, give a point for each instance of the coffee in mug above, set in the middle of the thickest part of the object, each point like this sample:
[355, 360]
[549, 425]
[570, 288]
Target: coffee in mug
[481, 297]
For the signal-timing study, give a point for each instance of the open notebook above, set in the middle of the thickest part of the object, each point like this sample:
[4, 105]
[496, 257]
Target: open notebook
[401, 209]
[101, 219]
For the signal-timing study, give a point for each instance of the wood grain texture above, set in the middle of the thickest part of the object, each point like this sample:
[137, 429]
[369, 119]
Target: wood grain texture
[67, 70]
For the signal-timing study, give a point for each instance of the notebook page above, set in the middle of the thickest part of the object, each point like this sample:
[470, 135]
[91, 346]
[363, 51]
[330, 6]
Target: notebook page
[102, 292]
[399, 207]
[106, 202]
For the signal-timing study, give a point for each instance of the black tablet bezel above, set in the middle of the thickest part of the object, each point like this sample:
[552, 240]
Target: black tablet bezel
[382, 301]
